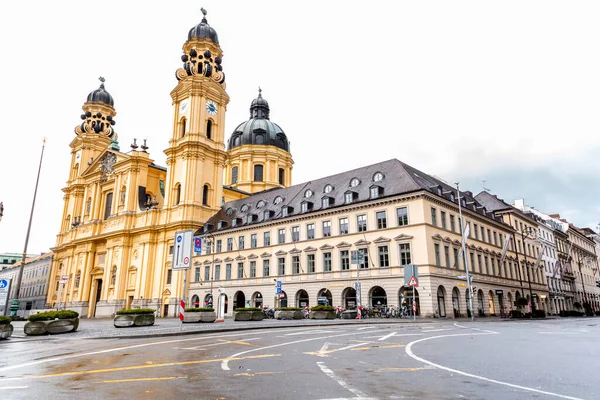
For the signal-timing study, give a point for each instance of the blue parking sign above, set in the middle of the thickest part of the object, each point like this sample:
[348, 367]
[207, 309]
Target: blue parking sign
[198, 245]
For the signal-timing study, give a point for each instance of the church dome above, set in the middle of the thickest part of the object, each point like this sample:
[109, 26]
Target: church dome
[259, 129]
[101, 95]
[204, 31]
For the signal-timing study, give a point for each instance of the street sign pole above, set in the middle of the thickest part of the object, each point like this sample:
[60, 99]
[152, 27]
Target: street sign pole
[464, 249]
[182, 260]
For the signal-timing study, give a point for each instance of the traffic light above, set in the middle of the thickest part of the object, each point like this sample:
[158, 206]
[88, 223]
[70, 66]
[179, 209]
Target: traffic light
[473, 289]
[598, 283]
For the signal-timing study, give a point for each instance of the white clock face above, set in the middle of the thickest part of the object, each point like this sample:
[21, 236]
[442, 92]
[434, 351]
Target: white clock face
[211, 107]
[183, 106]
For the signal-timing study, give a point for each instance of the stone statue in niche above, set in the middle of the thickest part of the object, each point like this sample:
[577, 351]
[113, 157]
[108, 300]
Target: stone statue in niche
[123, 193]
[88, 206]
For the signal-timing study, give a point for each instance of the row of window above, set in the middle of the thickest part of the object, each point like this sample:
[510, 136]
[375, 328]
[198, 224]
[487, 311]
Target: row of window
[310, 266]
[381, 222]
[485, 264]
[32, 291]
[258, 175]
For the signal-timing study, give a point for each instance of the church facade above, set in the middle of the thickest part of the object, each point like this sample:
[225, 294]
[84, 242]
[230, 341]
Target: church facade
[121, 210]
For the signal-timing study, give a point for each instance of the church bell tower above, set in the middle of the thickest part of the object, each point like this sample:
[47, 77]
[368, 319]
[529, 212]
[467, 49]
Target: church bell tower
[196, 154]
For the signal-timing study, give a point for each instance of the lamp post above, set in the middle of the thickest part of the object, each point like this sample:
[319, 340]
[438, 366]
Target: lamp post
[1, 209]
[528, 233]
[14, 307]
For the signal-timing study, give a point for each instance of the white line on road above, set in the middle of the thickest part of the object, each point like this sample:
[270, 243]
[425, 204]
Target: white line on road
[387, 336]
[366, 327]
[225, 362]
[13, 387]
[340, 381]
[202, 347]
[397, 335]
[408, 350]
[559, 333]
[313, 332]
[437, 330]
[347, 347]
[460, 326]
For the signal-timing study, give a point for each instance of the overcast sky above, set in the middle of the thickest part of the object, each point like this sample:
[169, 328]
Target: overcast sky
[506, 92]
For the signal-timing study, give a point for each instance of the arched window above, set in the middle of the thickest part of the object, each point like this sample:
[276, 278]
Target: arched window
[177, 194]
[77, 279]
[258, 173]
[108, 205]
[183, 126]
[234, 175]
[205, 195]
[209, 129]
[281, 176]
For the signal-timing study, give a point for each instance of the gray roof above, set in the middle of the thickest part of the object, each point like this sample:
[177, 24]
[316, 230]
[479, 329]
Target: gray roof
[492, 202]
[398, 178]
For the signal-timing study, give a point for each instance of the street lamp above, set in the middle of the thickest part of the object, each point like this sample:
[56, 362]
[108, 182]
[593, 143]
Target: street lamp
[528, 233]
[1, 209]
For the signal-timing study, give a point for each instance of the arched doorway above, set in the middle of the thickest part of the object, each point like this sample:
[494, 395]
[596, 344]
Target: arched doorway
[500, 295]
[239, 300]
[301, 298]
[195, 301]
[257, 299]
[324, 297]
[491, 301]
[480, 309]
[208, 300]
[406, 299]
[349, 298]
[510, 300]
[283, 299]
[441, 301]
[225, 303]
[456, 302]
[378, 297]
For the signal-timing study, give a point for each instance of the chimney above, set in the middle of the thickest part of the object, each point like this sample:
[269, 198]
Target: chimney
[520, 204]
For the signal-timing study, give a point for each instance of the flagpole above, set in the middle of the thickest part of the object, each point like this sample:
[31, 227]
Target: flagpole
[464, 249]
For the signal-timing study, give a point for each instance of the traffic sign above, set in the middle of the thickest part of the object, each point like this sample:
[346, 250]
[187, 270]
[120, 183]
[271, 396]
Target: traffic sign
[357, 256]
[4, 291]
[278, 284]
[3, 283]
[278, 290]
[410, 270]
[413, 281]
[182, 250]
[198, 245]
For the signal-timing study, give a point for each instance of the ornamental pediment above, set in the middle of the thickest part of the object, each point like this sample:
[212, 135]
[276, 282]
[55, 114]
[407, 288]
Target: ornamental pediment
[438, 237]
[447, 240]
[252, 256]
[228, 259]
[207, 262]
[295, 251]
[240, 258]
[218, 260]
[97, 270]
[281, 253]
[265, 255]
[362, 242]
[342, 245]
[104, 164]
[326, 247]
[381, 239]
[404, 236]
[310, 249]
[456, 243]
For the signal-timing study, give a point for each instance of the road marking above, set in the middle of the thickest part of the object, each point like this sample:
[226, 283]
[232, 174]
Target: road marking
[411, 354]
[13, 387]
[166, 378]
[258, 373]
[398, 369]
[322, 353]
[366, 327]
[133, 367]
[403, 334]
[387, 336]
[313, 332]
[437, 330]
[360, 349]
[340, 381]
[225, 362]
[61, 358]
[460, 326]
[222, 342]
[392, 346]
[559, 333]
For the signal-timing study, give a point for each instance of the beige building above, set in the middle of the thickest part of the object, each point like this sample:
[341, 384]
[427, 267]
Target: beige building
[121, 210]
[393, 214]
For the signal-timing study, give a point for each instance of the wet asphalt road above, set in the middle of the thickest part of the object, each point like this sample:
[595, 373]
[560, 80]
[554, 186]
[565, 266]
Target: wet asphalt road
[442, 360]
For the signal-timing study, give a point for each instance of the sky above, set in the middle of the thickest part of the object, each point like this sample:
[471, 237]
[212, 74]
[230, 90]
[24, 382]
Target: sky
[468, 91]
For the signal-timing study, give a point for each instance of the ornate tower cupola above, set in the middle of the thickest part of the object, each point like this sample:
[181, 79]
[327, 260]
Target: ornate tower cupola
[259, 152]
[196, 154]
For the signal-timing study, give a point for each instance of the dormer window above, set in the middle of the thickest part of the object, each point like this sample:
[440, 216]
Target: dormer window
[328, 188]
[250, 218]
[354, 182]
[260, 204]
[278, 200]
[267, 214]
[350, 196]
[234, 222]
[308, 193]
[326, 202]
[375, 191]
[452, 197]
[229, 211]
[377, 177]
[245, 208]
[221, 224]
[439, 191]
[287, 210]
[306, 206]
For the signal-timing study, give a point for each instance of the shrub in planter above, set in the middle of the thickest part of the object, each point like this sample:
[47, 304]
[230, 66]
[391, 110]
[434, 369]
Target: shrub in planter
[248, 314]
[577, 305]
[322, 312]
[516, 314]
[539, 314]
[289, 313]
[134, 317]
[52, 322]
[199, 314]
[6, 328]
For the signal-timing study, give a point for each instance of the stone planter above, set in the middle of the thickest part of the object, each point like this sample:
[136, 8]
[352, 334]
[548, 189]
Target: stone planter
[289, 315]
[203, 316]
[248, 315]
[6, 331]
[51, 327]
[129, 320]
[349, 314]
[322, 315]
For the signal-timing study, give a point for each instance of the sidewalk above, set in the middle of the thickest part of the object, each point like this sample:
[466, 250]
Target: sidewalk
[104, 329]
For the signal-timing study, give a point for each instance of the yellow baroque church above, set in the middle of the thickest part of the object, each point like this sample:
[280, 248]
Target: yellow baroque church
[121, 210]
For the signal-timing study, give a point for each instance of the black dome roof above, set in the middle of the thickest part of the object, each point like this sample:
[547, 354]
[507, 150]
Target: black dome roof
[101, 95]
[203, 31]
[259, 129]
